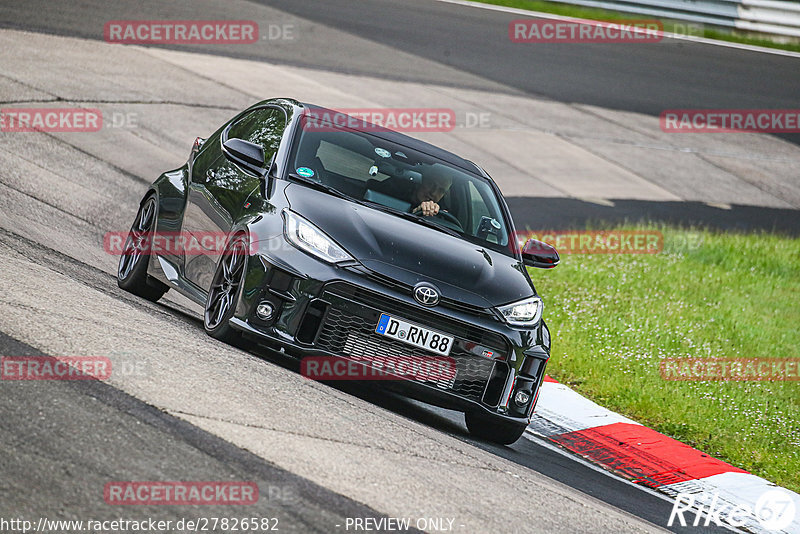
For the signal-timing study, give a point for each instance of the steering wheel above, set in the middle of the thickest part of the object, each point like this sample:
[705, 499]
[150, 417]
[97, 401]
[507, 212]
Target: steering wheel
[448, 217]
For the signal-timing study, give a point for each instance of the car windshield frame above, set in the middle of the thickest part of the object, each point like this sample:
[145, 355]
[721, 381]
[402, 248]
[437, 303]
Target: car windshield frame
[408, 158]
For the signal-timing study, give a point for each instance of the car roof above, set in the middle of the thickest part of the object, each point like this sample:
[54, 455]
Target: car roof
[405, 140]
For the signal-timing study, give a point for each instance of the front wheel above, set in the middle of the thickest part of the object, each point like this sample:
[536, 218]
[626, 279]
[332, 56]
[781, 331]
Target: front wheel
[493, 429]
[222, 295]
[132, 271]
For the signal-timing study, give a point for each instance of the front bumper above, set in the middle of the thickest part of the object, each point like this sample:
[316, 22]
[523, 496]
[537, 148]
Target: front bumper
[325, 310]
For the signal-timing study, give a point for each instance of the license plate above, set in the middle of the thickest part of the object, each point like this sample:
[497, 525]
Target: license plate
[413, 334]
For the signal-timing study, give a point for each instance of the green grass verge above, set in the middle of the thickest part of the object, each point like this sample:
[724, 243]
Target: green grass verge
[669, 25]
[613, 318]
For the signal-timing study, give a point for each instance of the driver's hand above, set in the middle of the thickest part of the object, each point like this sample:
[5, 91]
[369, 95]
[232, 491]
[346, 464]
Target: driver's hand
[427, 208]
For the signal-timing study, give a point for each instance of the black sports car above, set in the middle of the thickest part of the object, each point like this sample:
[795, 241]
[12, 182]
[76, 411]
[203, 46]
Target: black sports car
[357, 243]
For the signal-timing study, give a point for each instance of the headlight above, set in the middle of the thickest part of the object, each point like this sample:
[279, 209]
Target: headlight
[307, 237]
[523, 313]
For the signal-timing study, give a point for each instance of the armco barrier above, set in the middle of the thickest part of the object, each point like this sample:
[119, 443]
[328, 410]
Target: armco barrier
[775, 17]
[770, 16]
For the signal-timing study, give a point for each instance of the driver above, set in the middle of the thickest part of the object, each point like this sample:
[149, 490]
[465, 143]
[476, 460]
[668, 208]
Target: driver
[434, 185]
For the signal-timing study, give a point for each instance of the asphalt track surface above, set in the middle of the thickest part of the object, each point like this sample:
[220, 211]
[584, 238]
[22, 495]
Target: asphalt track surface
[446, 44]
[94, 430]
[68, 438]
[641, 78]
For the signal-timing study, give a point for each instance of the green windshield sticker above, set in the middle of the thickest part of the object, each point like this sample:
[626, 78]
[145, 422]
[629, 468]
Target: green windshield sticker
[305, 172]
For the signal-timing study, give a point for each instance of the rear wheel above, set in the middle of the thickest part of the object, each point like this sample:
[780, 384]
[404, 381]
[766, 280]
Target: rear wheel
[132, 271]
[493, 428]
[221, 301]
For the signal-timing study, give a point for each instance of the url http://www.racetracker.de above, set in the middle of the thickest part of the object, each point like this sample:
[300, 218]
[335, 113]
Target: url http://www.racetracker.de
[144, 526]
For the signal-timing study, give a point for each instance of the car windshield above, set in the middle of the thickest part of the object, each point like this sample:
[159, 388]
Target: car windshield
[396, 178]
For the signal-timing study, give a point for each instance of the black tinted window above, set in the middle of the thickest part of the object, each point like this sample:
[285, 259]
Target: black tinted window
[376, 170]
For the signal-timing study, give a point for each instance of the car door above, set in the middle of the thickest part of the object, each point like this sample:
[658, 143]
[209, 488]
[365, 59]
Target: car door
[218, 190]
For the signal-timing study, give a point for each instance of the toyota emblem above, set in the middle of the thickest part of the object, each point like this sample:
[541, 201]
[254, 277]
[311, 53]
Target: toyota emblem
[426, 294]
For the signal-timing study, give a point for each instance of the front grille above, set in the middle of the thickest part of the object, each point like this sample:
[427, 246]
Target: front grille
[424, 317]
[349, 330]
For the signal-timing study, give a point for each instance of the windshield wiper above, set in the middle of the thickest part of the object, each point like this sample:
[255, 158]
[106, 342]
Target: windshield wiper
[419, 219]
[428, 222]
[320, 186]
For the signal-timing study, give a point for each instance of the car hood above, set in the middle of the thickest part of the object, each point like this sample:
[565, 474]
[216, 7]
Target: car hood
[410, 253]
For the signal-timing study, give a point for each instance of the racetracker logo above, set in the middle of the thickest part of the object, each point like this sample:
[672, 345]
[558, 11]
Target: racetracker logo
[585, 31]
[169, 243]
[50, 120]
[181, 31]
[730, 120]
[595, 242]
[180, 493]
[731, 369]
[381, 119]
[426, 369]
[55, 368]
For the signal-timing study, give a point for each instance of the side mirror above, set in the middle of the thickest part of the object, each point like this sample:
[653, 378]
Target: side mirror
[249, 156]
[539, 254]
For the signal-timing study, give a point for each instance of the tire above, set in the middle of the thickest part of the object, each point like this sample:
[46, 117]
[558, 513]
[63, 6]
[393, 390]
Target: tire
[132, 269]
[221, 301]
[493, 429]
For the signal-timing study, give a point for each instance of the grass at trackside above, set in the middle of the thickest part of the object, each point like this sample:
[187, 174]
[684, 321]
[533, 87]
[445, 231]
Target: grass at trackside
[606, 15]
[614, 317]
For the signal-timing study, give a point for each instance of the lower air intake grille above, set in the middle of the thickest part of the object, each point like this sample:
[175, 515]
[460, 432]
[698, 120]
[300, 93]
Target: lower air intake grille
[352, 334]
